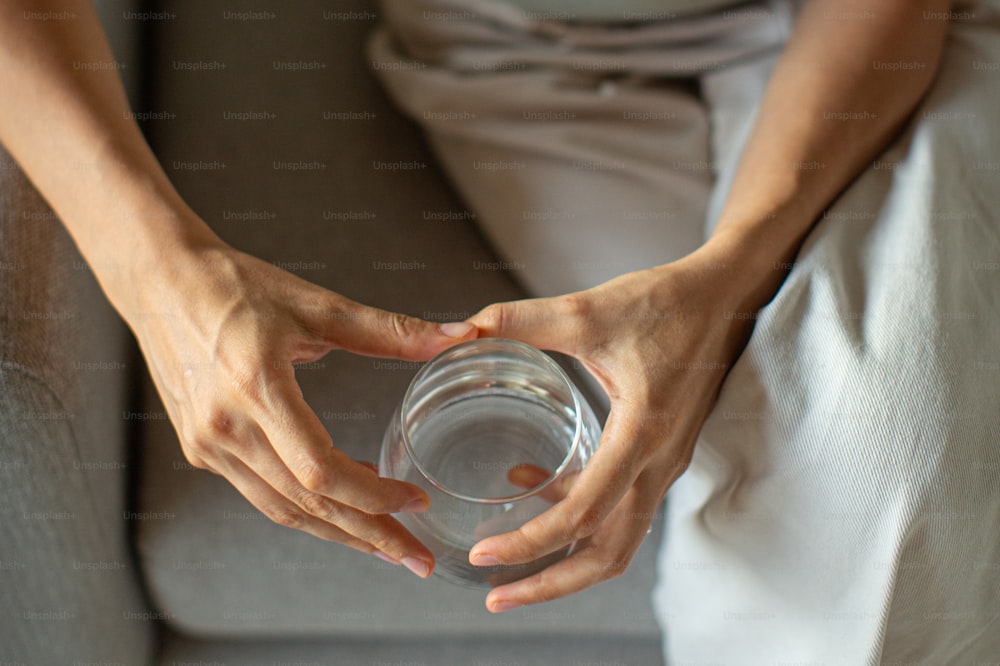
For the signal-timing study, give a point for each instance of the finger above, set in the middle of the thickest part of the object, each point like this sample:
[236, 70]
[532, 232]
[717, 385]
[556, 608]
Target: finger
[594, 494]
[382, 531]
[279, 509]
[546, 323]
[531, 476]
[301, 509]
[528, 477]
[301, 442]
[346, 324]
[605, 556]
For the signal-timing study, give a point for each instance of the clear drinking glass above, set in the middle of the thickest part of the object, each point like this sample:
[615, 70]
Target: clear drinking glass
[470, 416]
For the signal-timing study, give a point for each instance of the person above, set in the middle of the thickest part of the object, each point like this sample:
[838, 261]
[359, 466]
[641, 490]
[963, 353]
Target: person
[220, 330]
[833, 469]
[833, 475]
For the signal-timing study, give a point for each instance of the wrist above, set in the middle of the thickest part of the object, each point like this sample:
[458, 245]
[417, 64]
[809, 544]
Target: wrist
[154, 249]
[751, 259]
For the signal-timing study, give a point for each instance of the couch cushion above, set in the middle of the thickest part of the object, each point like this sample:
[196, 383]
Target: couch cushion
[276, 132]
[69, 589]
[68, 584]
[577, 651]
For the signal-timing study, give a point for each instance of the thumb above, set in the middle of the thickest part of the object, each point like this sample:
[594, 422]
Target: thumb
[370, 331]
[547, 323]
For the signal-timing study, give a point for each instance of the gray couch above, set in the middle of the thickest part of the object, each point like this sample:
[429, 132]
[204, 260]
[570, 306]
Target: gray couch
[112, 549]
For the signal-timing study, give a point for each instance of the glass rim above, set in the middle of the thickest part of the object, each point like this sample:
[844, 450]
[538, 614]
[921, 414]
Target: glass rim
[500, 343]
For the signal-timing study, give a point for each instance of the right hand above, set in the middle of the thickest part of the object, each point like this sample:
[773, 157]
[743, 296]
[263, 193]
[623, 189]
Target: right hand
[221, 333]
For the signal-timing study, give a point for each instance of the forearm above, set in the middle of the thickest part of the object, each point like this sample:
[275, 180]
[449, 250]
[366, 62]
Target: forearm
[839, 93]
[66, 120]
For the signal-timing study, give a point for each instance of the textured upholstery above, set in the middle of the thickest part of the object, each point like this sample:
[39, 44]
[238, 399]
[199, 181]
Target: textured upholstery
[69, 589]
[66, 571]
[469, 651]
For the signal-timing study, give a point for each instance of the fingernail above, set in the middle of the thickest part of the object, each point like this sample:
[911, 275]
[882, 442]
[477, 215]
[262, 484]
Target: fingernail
[419, 567]
[385, 558]
[484, 560]
[456, 329]
[502, 606]
[415, 506]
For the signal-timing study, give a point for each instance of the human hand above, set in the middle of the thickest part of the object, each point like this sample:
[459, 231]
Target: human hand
[660, 342]
[221, 334]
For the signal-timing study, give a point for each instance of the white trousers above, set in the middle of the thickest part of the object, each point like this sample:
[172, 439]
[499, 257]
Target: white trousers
[843, 504]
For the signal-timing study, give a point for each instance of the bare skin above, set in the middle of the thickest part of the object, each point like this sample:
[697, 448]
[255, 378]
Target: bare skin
[663, 374]
[220, 330]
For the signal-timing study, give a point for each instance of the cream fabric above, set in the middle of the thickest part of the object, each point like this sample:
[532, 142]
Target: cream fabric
[617, 10]
[584, 150]
[844, 499]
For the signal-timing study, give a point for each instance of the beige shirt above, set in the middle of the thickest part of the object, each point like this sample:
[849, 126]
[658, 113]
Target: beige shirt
[621, 10]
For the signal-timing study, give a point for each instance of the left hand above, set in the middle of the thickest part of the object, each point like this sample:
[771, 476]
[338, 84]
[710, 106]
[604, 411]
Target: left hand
[660, 342]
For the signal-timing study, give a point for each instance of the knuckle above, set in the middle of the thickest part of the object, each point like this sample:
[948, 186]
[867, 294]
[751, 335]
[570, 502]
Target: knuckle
[250, 380]
[315, 476]
[318, 505]
[215, 430]
[493, 317]
[544, 590]
[401, 326]
[328, 304]
[384, 543]
[531, 542]
[286, 516]
[575, 306]
[217, 423]
[614, 568]
[585, 521]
